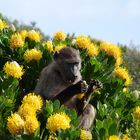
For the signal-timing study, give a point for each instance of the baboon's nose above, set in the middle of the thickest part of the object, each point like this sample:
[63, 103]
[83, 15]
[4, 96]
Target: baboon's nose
[75, 76]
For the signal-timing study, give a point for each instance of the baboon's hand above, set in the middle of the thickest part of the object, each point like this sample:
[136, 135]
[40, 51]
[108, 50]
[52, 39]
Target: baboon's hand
[95, 84]
[84, 86]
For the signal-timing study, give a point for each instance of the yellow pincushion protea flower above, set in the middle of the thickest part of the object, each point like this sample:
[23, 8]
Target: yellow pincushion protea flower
[111, 50]
[3, 24]
[137, 112]
[85, 135]
[60, 36]
[92, 50]
[80, 95]
[26, 110]
[33, 35]
[33, 100]
[16, 41]
[58, 121]
[31, 124]
[13, 69]
[52, 137]
[115, 51]
[105, 46]
[122, 73]
[48, 45]
[32, 54]
[119, 61]
[15, 124]
[23, 33]
[82, 41]
[125, 137]
[59, 47]
[113, 137]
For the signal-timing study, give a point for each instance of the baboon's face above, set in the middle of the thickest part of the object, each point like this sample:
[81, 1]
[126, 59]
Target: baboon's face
[69, 62]
[71, 70]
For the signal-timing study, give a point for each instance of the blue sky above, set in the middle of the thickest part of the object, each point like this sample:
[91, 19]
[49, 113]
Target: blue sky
[109, 20]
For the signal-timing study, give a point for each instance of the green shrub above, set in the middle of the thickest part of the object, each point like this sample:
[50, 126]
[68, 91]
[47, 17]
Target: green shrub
[23, 56]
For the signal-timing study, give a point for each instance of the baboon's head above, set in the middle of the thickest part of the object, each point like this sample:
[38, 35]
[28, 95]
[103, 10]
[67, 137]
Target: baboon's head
[69, 62]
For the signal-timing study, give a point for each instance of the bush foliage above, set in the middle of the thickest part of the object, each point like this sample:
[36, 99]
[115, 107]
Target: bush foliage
[23, 54]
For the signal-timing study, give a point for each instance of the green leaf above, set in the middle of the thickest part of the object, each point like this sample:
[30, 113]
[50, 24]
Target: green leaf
[101, 110]
[62, 108]
[107, 122]
[99, 124]
[102, 133]
[93, 61]
[56, 105]
[113, 130]
[29, 137]
[49, 107]
[59, 138]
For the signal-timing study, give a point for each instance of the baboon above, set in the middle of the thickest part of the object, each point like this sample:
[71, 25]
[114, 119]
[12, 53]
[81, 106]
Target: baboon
[62, 80]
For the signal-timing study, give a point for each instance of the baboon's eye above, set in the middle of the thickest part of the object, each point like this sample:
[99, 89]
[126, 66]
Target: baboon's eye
[73, 64]
[76, 63]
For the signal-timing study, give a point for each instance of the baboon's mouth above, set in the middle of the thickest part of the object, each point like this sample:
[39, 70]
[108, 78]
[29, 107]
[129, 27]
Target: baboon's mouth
[70, 81]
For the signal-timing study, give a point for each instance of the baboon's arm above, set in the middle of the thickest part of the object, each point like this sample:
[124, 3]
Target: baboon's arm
[82, 103]
[69, 92]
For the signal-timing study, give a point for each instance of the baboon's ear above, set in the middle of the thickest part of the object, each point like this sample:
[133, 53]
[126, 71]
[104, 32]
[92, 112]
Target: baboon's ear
[56, 56]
